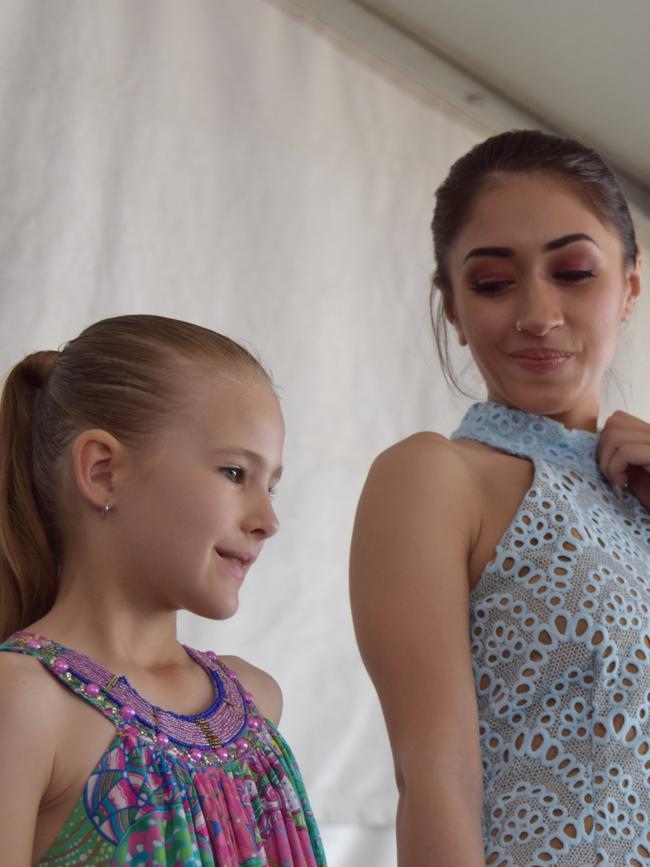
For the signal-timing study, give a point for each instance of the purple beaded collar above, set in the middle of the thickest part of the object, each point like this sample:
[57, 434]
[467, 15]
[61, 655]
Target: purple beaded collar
[218, 730]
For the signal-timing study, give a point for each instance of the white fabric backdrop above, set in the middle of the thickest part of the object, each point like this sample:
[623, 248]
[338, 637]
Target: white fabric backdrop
[227, 162]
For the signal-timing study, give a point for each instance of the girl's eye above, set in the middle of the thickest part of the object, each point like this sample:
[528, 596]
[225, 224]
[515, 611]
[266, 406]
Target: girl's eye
[490, 287]
[574, 275]
[234, 474]
[273, 491]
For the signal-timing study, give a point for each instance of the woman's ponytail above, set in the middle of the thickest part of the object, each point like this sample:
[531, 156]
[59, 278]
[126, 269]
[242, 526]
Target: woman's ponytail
[28, 568]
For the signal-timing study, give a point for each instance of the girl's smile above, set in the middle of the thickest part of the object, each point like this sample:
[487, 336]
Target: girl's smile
[199, 512]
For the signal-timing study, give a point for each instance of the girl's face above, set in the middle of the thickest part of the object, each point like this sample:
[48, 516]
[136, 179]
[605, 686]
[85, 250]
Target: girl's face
[196, 517]
[539, 292]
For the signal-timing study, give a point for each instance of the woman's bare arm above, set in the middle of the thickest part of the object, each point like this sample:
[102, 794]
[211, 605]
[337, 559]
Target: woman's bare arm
[416, 523]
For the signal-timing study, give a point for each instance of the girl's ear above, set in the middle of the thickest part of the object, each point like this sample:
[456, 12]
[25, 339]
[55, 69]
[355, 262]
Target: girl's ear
[97, 457]
[632, 288]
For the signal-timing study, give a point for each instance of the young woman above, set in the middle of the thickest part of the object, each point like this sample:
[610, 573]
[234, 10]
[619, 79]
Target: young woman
[501, 578]
[137, 467]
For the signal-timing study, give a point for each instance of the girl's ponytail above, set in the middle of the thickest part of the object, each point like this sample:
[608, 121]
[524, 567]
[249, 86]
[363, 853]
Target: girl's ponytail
[28, 570]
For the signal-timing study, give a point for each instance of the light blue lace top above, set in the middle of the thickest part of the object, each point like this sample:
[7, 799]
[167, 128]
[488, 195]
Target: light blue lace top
[560, 631]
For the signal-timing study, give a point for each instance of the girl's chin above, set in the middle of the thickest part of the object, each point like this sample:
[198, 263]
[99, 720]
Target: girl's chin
[216, 607]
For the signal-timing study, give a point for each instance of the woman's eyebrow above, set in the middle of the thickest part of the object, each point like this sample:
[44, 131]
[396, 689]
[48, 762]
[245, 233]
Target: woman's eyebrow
[568, 239]
[506, 252]
[501, 252]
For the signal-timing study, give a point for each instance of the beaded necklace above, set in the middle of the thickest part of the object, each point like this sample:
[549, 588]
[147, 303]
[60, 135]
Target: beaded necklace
[227, 730]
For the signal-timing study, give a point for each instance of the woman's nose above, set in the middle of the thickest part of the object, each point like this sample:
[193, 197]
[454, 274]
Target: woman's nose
[540, 311]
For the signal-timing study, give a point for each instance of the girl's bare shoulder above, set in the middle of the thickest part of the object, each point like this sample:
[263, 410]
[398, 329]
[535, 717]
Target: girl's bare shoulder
[264, 688]
[30, 695]
[31, 712]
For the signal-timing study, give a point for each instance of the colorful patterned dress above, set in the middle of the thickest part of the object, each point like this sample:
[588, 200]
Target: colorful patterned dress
[215, 789]
[560, 640]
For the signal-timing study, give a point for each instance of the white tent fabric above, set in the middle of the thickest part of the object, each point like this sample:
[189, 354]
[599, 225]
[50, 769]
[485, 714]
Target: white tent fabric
[230, 163]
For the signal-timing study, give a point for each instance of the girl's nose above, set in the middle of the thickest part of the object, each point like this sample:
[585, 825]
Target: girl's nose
[261, 519]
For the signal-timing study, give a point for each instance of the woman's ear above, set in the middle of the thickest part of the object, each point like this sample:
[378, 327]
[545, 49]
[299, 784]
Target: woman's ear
[452, 318]
[632, 287]
[97, 458]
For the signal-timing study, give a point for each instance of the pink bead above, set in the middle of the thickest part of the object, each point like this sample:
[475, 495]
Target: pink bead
[162, 739]
[34, 643]
[232, 675]
[248, 696]
[254, 723]
[92, 689]
[223, 754]
[60, 665]
[211, 655]
[241, 744]
[197, 755]
[132, 730]
[127, 713]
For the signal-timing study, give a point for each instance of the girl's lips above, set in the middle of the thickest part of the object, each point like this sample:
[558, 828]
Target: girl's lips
[541, 359]
[238, 562]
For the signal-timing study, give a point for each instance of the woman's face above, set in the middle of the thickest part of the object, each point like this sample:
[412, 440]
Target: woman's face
[539, 293]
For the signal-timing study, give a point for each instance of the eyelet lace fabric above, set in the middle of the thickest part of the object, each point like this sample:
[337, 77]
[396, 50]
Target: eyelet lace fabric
[560, 640]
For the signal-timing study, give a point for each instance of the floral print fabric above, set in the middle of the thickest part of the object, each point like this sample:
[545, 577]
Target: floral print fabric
[151, 801]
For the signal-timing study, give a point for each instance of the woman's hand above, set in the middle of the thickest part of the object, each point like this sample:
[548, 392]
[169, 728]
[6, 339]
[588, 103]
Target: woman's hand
[624, 454]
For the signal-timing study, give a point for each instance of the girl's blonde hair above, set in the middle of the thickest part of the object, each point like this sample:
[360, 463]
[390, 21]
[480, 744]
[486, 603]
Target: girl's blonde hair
[123, 375]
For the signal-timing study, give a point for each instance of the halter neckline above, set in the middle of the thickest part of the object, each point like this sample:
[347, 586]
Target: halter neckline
[223, 722]
[526, 434]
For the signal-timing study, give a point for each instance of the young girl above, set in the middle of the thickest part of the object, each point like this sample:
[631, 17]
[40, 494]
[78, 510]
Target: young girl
[137, 469]
[501, 579]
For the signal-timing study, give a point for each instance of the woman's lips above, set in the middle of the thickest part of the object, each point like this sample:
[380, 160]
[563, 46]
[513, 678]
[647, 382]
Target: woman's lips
[541, 359]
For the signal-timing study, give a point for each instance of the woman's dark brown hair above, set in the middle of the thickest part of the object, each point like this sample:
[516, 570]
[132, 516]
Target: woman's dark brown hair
[518, 152]
[126, 375]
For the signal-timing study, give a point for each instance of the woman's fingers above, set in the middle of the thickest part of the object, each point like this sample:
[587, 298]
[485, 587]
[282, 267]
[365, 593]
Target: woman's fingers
[624, 443]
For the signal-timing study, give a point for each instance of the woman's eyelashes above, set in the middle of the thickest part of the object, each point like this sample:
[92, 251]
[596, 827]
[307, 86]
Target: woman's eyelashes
[491, 285]
[574, 275]
[497, 283]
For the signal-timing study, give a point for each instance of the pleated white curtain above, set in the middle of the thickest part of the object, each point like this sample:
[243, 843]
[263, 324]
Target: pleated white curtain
[229, 163]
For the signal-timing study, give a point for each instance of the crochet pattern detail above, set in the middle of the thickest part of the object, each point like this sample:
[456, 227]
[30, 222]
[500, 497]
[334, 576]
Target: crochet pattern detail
[560, 638]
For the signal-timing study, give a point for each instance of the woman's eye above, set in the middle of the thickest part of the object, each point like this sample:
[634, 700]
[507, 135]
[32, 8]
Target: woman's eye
[234, 474]
[490, 287]
[574, 275]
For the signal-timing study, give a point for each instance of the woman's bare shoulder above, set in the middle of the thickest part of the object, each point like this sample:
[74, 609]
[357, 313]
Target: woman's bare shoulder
[429, 456]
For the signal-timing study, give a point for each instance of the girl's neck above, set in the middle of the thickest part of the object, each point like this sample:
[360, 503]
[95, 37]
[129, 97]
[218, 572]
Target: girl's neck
[98, 617]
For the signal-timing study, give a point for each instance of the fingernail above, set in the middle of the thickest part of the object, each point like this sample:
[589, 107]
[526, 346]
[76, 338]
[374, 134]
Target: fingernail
[618, 490]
